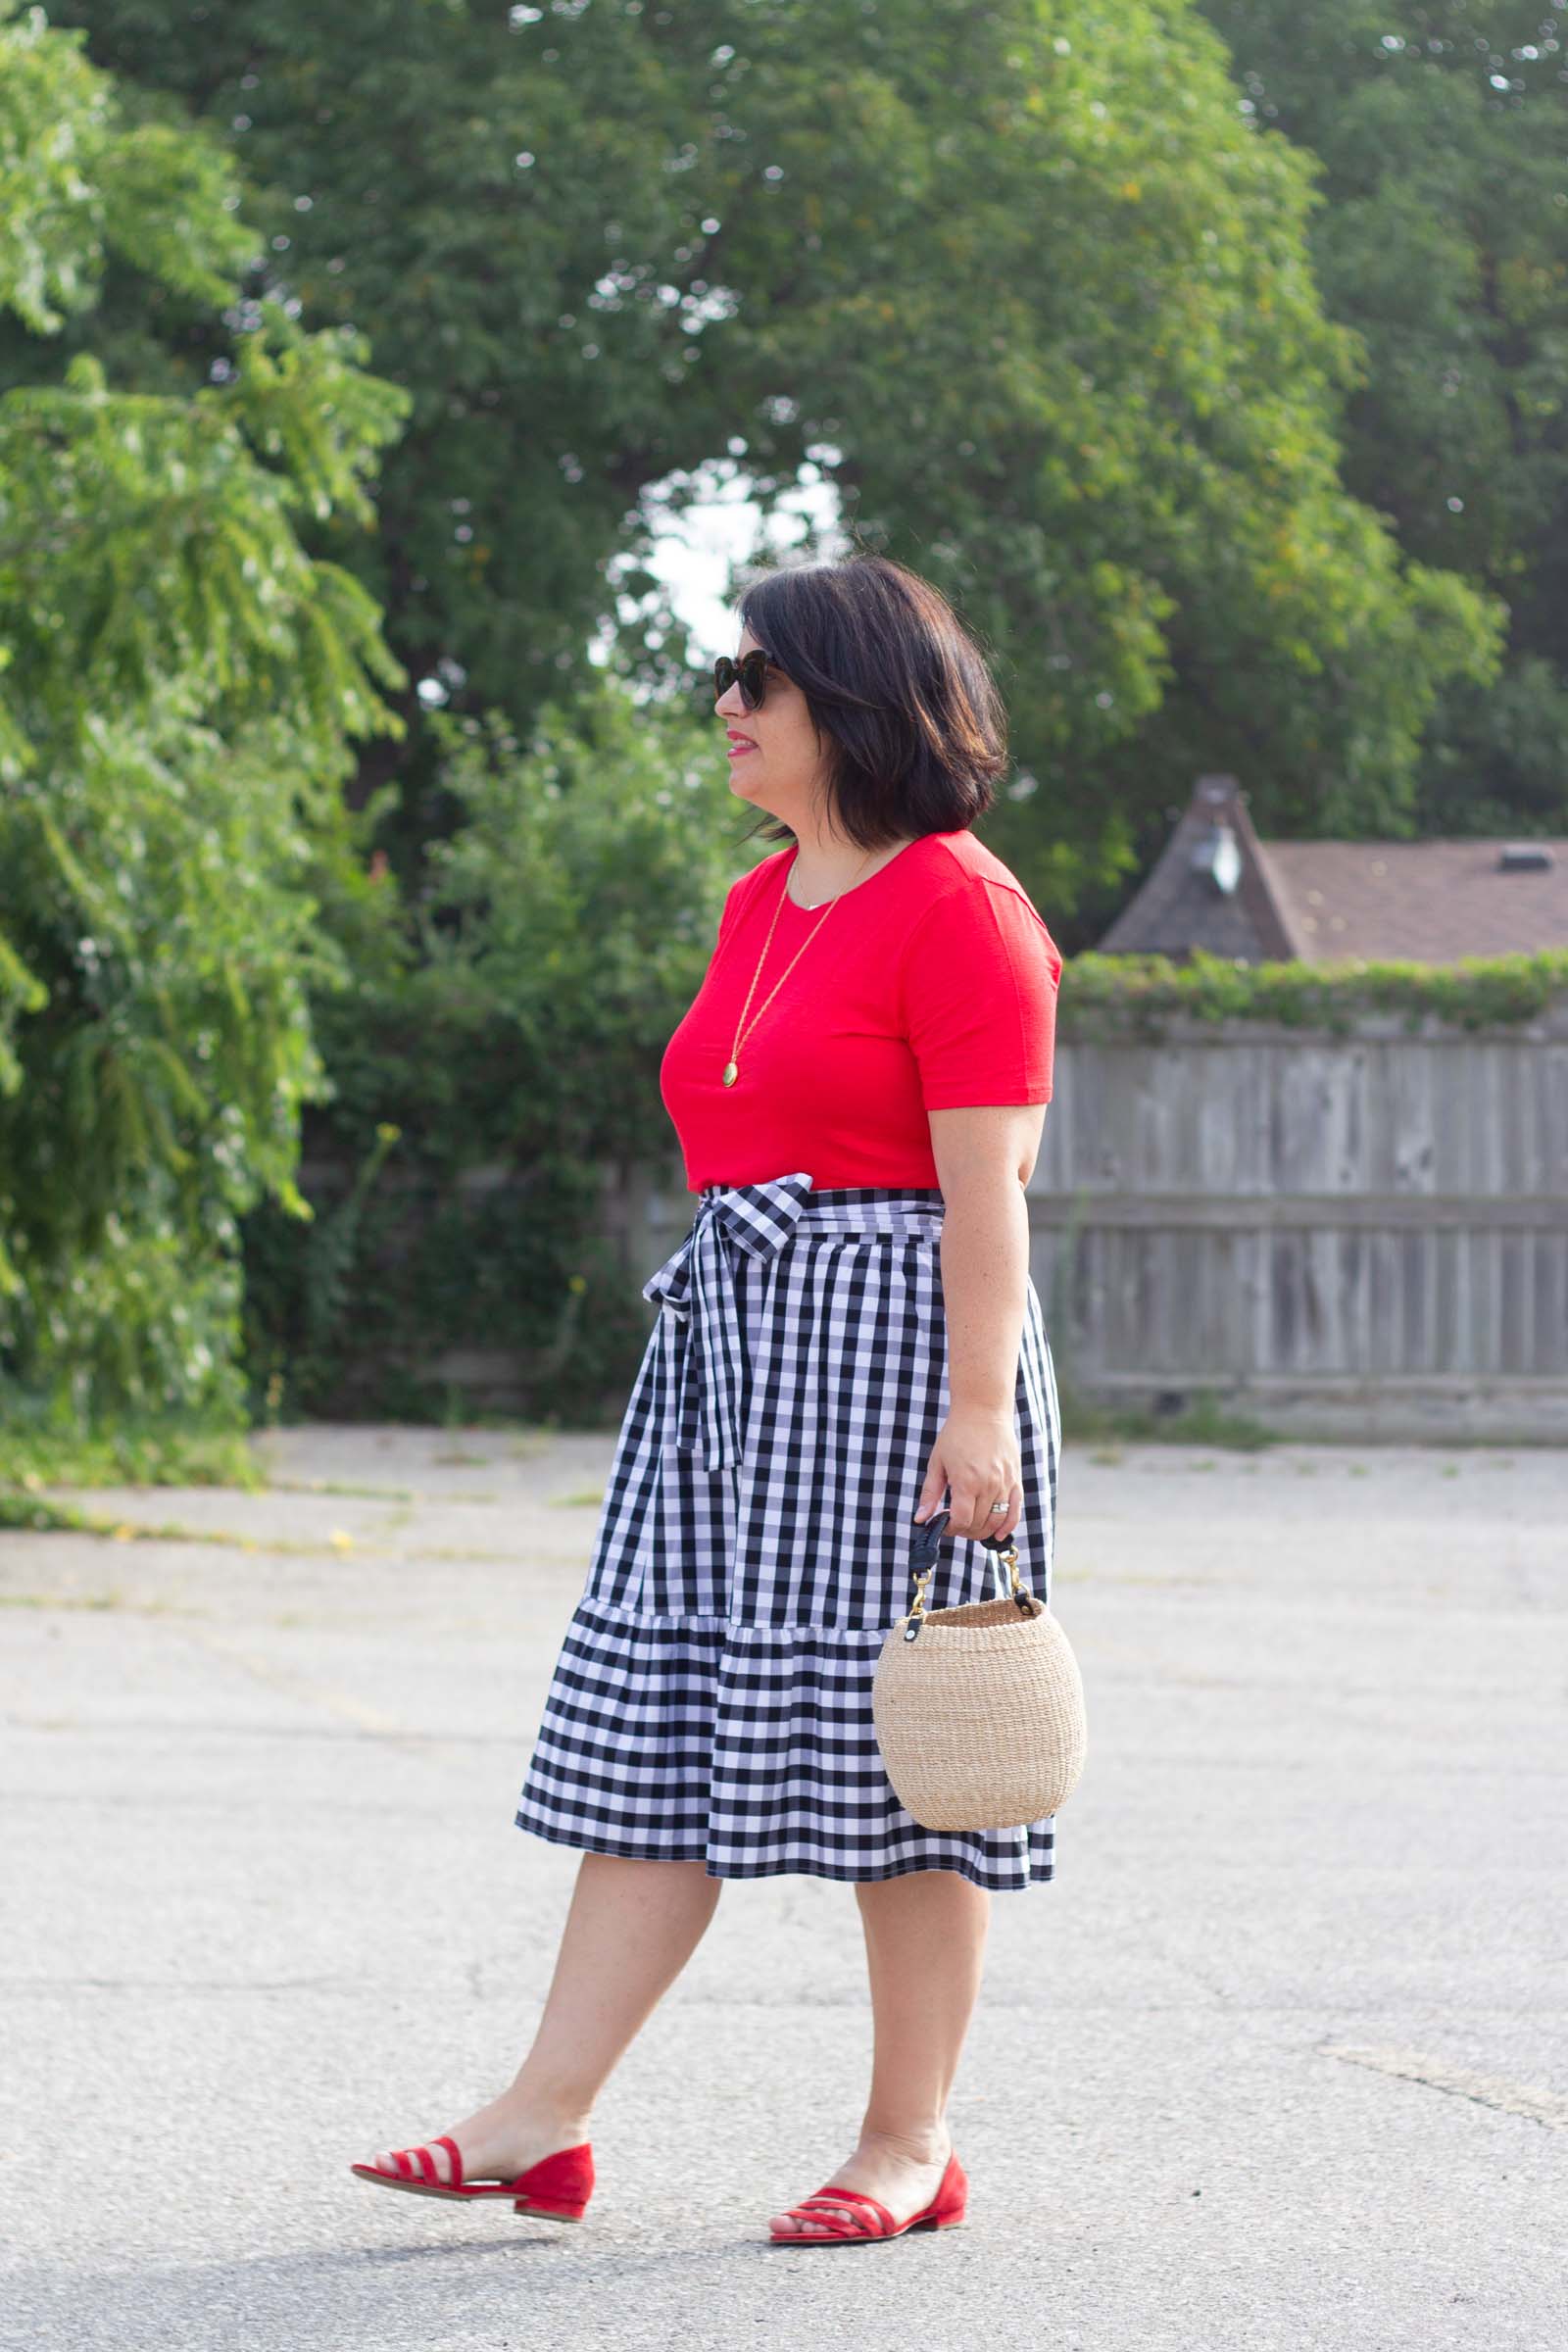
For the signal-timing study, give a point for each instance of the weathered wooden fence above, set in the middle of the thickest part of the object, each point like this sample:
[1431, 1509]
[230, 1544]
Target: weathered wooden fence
[1361, 1234]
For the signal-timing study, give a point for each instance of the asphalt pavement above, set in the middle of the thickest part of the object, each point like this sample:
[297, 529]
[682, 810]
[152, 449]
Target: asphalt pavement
[1278, 2059]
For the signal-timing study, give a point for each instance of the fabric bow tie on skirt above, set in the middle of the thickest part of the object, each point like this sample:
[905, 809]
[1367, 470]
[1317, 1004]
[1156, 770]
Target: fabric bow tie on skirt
[695, 1291]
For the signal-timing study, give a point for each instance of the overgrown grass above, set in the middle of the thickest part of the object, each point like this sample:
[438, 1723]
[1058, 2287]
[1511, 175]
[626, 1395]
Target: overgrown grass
[38, 1451]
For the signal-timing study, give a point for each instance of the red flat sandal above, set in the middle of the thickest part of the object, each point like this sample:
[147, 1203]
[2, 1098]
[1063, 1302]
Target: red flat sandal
[946, 2211]
[556, 2189]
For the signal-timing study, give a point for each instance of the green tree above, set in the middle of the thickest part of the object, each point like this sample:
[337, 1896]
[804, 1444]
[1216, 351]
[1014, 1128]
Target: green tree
[514, 1048]
[1444, 242]
[1022, 280]
[181, 684]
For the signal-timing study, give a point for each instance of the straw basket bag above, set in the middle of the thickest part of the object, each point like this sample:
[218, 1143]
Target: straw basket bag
[979, 1710]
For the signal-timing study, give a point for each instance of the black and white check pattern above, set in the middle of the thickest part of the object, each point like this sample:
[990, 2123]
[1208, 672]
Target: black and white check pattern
[712, 1697]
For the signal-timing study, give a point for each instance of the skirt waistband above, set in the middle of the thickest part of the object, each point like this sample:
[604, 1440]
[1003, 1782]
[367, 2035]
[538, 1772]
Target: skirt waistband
[695, 1289]
[842, 1208]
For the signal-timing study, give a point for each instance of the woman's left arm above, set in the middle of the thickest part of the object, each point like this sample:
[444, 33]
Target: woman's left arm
[985, 1156]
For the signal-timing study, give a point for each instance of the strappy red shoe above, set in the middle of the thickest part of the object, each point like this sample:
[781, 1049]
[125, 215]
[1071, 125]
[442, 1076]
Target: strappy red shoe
[946, 2211]
[556, 2189]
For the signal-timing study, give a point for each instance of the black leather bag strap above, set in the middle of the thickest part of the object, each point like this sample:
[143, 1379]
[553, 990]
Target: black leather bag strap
[929, 1533]
[928, 1536]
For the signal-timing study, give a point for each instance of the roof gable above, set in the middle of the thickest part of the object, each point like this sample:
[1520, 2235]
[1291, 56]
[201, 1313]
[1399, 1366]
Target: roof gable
[1209, 888]
[1217, 886]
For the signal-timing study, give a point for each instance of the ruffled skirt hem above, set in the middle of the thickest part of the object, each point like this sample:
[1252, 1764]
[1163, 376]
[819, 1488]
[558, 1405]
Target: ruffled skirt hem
[748, 1747]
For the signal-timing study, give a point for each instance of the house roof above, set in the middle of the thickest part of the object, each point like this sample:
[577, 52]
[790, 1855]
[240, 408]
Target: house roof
[1209, 888]
[1429, 901]
[1216, 884]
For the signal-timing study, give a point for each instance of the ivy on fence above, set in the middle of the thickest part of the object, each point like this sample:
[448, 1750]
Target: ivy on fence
[1108, 996]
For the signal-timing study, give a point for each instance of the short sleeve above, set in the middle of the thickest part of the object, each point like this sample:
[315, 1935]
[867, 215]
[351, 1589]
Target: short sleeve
[728, 911]
[979, 978]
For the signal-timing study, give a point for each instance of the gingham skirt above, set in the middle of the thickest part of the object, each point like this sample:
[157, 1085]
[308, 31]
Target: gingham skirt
[712, 1701]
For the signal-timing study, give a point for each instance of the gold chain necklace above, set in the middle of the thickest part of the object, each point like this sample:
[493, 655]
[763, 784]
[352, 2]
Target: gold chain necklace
[732, 1066]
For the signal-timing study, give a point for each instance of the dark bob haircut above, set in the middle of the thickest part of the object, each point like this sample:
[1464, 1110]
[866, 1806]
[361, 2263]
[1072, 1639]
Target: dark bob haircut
[897, 691]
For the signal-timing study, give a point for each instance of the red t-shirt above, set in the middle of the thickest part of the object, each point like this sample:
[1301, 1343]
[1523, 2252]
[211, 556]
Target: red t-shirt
[930, 985]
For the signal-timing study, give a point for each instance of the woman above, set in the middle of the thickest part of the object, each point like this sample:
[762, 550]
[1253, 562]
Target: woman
[848, 1335]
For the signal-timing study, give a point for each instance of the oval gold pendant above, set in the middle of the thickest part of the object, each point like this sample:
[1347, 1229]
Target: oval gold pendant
[731, 1073]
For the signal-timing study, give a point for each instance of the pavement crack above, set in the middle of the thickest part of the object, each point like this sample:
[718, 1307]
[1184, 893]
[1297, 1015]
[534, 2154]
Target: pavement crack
[341, 1703]
[1546, 2107]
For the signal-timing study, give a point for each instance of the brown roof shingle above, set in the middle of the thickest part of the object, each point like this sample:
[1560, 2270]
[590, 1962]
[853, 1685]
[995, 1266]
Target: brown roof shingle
[1430, 901]
[1217, 886]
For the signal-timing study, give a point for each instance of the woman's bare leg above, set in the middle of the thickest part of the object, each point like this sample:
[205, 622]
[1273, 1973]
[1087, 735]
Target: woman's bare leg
[630, 1930]
[925, 1936]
